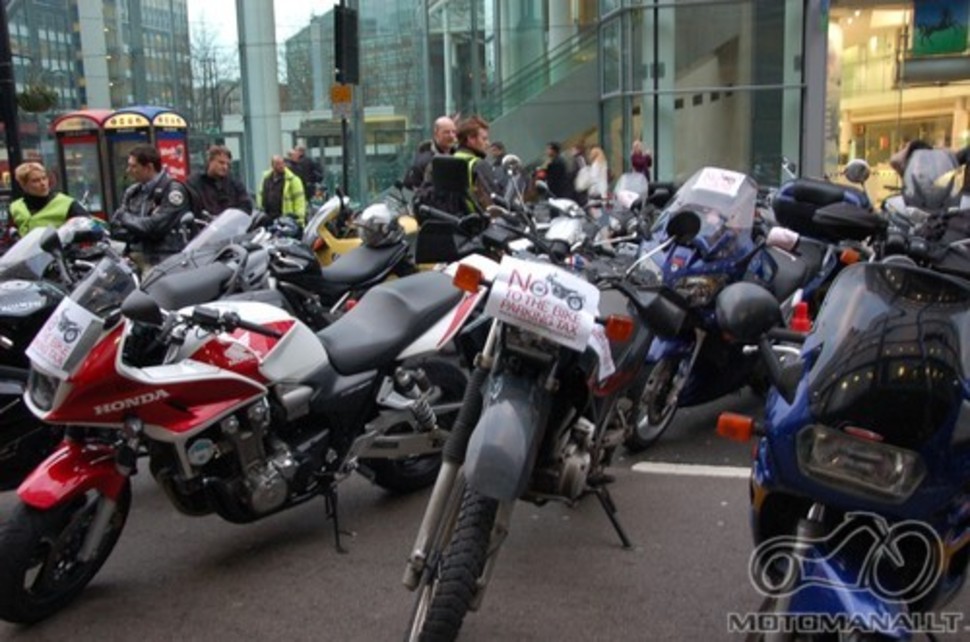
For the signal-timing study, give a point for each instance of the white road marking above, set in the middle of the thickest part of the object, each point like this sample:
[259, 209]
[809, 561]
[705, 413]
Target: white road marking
[692, 470]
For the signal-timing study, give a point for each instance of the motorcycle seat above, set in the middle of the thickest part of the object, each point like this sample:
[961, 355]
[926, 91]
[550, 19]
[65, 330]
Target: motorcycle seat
[795, 269]
[387, 319]
[363, 264]
[175, 291]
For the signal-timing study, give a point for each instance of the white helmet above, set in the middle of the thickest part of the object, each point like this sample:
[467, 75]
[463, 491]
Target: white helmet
[377, 226]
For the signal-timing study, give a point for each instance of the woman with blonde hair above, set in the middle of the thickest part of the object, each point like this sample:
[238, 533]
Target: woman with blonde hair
[39, 207]
[599, 181]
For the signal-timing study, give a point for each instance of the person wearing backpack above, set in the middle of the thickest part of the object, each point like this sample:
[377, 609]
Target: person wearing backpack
[216, 190]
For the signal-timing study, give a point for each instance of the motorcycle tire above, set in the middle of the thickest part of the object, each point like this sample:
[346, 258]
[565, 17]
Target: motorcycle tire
[450, 583]
[655, 413]
[39, 570]
[414, 473]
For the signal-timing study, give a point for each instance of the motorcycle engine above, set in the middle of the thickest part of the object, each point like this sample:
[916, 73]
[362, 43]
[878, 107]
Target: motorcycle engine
[574, 459]
[266, 477]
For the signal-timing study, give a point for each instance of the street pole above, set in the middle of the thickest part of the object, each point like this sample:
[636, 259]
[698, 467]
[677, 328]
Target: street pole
[8, 99]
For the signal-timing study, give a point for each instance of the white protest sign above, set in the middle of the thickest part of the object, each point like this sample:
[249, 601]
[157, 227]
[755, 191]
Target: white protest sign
[546, 300]
[60, 337]
[720, 181]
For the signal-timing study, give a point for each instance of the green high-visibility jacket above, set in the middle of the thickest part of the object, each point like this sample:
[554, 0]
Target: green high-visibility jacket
[51, 215]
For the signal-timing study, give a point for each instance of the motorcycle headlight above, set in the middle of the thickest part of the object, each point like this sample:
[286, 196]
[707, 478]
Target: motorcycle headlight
[699, 290]
[859, 465]
[41, 388]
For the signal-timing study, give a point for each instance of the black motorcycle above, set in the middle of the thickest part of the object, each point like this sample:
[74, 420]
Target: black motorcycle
[35, 275]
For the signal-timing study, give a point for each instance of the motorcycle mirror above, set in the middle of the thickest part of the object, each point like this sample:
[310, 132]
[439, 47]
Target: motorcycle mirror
[260, 219]
[684, 226]
[857, 171]
[139, 306]
[543, 188]
[747, 311]
[50, 242]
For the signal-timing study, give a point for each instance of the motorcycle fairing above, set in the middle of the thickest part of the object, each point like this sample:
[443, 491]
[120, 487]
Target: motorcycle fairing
[503, 447]
[71, 470]
[833, 599]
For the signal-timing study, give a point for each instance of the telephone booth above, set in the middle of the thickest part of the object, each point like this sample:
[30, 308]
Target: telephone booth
[138, 124]
[84, 173]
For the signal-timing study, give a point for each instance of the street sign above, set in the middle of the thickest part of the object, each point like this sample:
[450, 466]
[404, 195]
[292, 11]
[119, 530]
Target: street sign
[341, 99]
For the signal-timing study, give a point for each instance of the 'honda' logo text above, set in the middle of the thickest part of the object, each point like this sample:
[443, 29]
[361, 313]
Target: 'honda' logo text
[130, 402]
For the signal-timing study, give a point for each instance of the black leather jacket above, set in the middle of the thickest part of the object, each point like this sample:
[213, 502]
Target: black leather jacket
[150, 213]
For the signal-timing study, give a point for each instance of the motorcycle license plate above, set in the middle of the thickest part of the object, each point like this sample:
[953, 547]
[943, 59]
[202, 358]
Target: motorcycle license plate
[546, 300]
[64, 339]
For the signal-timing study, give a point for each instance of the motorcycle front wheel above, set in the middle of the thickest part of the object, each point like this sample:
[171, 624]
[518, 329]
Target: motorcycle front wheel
[658, 404]
[450, 583]
[414, 473]
[40, 572]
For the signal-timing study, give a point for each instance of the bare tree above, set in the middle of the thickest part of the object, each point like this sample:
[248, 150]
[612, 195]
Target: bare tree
[215, 76]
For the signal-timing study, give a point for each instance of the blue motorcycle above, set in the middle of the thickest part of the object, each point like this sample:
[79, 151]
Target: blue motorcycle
[702, 242]
[860, 485]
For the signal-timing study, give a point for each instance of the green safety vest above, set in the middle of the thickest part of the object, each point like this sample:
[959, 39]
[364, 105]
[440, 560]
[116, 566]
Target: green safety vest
[51, 215]
[471, 159]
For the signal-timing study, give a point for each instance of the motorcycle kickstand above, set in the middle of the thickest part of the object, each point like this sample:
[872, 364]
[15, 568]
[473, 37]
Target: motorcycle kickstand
[330, 495]
[606, 501]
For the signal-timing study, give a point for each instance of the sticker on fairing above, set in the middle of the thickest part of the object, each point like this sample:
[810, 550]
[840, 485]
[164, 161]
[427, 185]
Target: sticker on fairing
[546, 300]
[59, 342]
[720, 181]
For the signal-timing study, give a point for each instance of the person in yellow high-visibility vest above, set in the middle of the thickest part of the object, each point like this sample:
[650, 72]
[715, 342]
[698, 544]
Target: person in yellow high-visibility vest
[473, 148]
[39, 206]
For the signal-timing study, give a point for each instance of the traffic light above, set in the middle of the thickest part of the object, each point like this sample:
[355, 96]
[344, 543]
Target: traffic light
[346, 45]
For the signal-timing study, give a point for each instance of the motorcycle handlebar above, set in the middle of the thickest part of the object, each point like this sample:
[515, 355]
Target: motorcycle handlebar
[441, 215]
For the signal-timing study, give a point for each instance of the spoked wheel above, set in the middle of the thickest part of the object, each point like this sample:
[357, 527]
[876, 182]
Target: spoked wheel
[658, 404]
[450, 582]
[40, 572]
[413, 473]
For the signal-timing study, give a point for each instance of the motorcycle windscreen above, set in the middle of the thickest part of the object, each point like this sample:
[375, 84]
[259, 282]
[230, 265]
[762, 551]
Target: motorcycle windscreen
[74, 327]
[932, 179]
[726, 202]
[26, 260]
[892, 352]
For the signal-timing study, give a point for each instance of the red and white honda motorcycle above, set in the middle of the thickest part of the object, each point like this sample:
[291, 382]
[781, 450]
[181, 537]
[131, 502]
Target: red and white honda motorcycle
[242, 410]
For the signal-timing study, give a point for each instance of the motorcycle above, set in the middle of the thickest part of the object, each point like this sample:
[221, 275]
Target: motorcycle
[330, 231]
[543, 413]
[227, 261]
[35, 275]
[702, 242]
[860, 510]
[242, 410]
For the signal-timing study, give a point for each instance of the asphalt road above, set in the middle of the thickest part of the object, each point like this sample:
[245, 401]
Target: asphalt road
[561, 575]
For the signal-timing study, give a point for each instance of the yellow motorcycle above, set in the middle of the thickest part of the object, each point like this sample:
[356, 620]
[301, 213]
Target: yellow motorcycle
[332, 232]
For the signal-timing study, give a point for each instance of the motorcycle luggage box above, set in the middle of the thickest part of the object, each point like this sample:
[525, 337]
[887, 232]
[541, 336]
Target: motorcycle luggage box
[796, 202]
[844, 221]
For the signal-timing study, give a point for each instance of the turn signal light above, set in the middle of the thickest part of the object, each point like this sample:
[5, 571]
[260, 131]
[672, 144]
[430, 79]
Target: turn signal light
[849, 256]
[800, 322]
[618, 327]
[467, 278]
[736, 427]
[350, 304]
[319, 244]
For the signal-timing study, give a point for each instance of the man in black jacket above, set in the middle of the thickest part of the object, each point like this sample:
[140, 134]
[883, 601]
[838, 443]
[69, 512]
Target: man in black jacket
[442, 143]
[215, 189]
[307, 169]
[151, 208]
